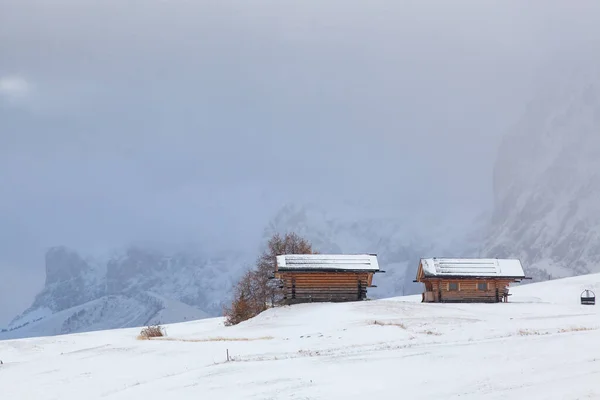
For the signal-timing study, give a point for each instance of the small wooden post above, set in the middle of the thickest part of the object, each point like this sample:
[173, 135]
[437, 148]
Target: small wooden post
[227, 355]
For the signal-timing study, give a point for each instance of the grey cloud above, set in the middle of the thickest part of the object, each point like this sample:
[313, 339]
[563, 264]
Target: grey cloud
[14, 88]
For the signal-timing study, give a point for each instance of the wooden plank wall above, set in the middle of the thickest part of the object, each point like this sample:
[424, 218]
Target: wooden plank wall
[468, 290]
[300, 287]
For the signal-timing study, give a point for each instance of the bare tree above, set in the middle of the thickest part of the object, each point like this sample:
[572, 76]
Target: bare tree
[257, 289]
[291, 243]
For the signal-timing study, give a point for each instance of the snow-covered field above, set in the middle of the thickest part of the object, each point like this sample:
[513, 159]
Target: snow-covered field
[542, 345]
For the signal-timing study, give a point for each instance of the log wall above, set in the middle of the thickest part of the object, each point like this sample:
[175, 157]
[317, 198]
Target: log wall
[303, 287]
[468, 290]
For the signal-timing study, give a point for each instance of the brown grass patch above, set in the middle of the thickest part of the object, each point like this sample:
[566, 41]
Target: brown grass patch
[527, 332]
[383, 323]
[431, 333]
[215, 339]
[576, 329]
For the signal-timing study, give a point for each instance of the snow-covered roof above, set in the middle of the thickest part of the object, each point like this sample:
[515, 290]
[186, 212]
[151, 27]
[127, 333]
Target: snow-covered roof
[350, 262]
[483, 267]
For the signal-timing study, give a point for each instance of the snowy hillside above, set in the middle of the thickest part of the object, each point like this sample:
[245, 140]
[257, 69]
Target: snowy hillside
[547, 183]
[542, 345]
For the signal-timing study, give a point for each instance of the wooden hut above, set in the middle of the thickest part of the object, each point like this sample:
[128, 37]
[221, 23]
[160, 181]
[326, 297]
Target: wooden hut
[325, 277]
[468, 280]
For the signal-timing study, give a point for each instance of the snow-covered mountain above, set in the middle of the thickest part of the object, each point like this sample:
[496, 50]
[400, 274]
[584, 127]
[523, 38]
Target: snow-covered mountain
[141, 286]
[547, 184]
[136, 288]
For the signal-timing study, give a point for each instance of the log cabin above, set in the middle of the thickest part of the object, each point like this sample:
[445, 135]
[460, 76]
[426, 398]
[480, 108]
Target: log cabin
[468, 280]
[325, 277]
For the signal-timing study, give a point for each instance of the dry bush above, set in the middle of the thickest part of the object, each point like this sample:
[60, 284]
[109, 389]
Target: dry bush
[256, 290]
[153, 331]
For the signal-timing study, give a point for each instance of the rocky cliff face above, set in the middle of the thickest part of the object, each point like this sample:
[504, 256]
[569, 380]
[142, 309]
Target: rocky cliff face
[547, 185]
[70, 281]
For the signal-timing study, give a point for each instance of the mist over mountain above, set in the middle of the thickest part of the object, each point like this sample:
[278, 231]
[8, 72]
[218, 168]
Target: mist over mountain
[547, 182]
[546, 212]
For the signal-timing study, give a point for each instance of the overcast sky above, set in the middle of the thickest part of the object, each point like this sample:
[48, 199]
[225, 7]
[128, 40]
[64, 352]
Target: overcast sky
[194, 121]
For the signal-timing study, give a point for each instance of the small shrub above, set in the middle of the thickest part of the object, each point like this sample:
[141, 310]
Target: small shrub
[152, 332]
